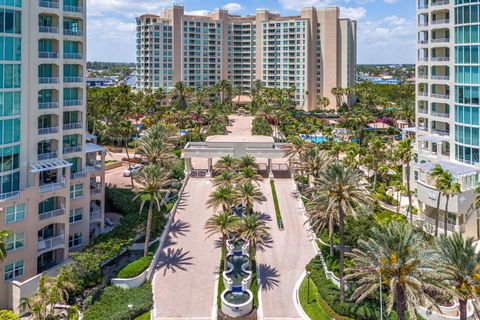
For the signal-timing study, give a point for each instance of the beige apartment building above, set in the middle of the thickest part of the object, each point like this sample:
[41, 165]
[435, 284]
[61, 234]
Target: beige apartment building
[51, 170]
[313, 52]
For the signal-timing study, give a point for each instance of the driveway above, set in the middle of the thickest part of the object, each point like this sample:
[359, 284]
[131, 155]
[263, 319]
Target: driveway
[184, 281]
[281, 262]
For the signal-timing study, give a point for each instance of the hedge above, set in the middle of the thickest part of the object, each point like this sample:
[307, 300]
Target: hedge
[278, 213]
[113, 303]
[145, 316]
[8, 315]
[136, 267]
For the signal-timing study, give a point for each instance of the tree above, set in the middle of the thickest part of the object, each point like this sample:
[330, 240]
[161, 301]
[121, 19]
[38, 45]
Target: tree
[247, 161]
[346, 190]
[311, 162]
[404, 154]
[122, 131]
[449, 188]
[155, 182]
[438, 174]
[223, 223]
[295, 147]
[253, 229]
[261, 127]
[180, 94]
[248, 175]
[395, 255]
[459, 266]
[321, 215]
[323, 102]
[8, 315]
[157, 145]
[226, 163]
[223, 197]
[249, 194]
[4, 235]
[224, 179]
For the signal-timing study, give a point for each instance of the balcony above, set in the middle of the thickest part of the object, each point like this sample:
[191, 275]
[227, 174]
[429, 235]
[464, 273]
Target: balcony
[48, 55]
[49, 130]
[96, 190]
[73, 55]
[47, 156]
[51, 243]
[423, 59]
[422, 128]
[79, 175]
[9, 195]
[72, 32]
[51, 214]
[95, 212]
[439, 3]
[430, 225]
[73, 126]
[53, 186]
[48, 80]
[72, 103]
[47, 105]
[441, 132]
[49, 4]
[441, 59]
[422, 76]
[68, 150]
[441, 78]
[440, 40]
[72, 79]
[440, 95]
[422, 94]
[45, 29]
[441, 21]
[423, 111]
[69, 8]
[440, 114]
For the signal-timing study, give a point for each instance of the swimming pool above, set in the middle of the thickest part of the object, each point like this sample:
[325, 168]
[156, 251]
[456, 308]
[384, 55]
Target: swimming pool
[314, 139]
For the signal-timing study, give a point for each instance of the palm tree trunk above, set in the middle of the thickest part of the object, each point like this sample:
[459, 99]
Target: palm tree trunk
[128, 159]
[463, 309]
[409, 194]
[445, 219]
[341, 222]
[148, 230]
[398, 201]
[437, 215]
[224, 239]
[330, 240]
[250, 258]
[400, 303]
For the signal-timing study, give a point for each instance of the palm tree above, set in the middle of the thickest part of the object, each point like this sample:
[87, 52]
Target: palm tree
[323, 102]
[180, 95]
[247, 161]
[157, 145]
[224, 223]
[459, 266]
[394, 254]
[438, 174]
[225, 179]
[295, 147]
[155, 182]
[223, 197]
[346, 190]
[449, 188]
[404, 154]
[249, 194]
[320, 216]
[253, 229]
[248, 175]
[226, 163]
[4, 235]
[311, 162]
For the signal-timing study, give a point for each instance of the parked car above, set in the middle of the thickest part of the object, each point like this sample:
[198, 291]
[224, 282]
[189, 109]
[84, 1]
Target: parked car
[132, 170]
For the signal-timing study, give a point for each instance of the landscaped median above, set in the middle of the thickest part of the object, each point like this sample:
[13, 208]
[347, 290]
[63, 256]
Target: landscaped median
[278, 214]
[137, 267]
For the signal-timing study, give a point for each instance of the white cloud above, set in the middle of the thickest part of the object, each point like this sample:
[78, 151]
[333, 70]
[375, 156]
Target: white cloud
[353, 13]
[126, 7]
[295, 5]
[197, 12]
[233, 7]
[391, 1]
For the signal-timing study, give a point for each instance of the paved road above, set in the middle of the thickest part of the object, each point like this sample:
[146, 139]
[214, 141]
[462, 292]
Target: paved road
[184, 281]
[282, 260]
[241, 126]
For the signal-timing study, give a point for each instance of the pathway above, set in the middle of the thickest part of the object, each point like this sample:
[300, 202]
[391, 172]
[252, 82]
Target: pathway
[184, 282]
[282, 260]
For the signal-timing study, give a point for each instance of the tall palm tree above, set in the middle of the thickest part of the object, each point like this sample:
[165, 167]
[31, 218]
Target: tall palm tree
[394, 253]
[180, 95]
[226, 163]
[247, 161]
[222, 197]
[323, 102]
[157, 145]
[321, 216]
[4, 235]
[449, 188]
[155, 182]
[249, 194]
[295, 147]
[346, 190]
[438, 174]
[404, 154]
[225, 179]
[459, 266]
[253, 229]
[224, 223]
[248, 175]
[311, 162]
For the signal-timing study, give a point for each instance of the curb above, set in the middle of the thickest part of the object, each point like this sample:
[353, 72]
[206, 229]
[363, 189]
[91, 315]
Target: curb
[296, 298]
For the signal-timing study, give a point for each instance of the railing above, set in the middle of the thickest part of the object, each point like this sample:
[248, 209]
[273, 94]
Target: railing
[440, 77]
[441, 59]
[48, 55]
[52, 243]
[72, 79]
[47, 105]
[72, 149]
[450, 227]
[79, 174]
[50, 130]
[423, 94]
[50, 214]
[422, 128]
[48, 4]
[424, 59]
[72, 8]
[71, 32]
[73, 102]
[441, 21]
[423, 111]
[440, 114]
[44, 29]
[440, 95]
[9, 195]
[47, 156]
[422, 41]
[95, 215]
[440, 132]
[90, 169]
[53, 186]
[72, 126]
[440, 3]
[47, 80]
[422, 76]
[440, 40]
[423, 24]
[73, 55]
[95, 191]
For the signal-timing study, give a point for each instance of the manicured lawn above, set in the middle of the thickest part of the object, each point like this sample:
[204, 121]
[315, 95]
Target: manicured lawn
[145, 316]
[311, 308]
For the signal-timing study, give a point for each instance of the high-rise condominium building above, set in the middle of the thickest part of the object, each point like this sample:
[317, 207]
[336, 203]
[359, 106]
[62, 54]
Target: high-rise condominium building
[314, 52]
[448, 119]
[51, 171]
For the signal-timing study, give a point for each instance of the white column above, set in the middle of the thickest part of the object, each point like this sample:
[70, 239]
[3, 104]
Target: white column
[269, 169]
[188, 166]
[209, 172]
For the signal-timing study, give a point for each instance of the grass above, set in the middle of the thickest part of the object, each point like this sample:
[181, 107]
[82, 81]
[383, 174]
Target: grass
[145, 316]
[278, 214]
[312, 307]
[135, 268]
[221, 286]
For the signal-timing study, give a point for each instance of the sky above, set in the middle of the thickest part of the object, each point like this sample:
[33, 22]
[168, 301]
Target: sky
[386, 28]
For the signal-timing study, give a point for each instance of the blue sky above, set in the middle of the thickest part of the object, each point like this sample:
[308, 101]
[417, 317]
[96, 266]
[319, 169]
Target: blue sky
[386, 28]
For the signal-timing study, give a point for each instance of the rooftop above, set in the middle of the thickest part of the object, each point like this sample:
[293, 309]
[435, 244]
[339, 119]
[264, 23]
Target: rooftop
[233, 138]
[458, 170]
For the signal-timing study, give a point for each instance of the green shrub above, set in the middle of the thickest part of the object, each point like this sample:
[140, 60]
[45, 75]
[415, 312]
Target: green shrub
[145, 316]
[278, 213]
[8, 315]
[112, 304]
[135, 268]
[261, 127]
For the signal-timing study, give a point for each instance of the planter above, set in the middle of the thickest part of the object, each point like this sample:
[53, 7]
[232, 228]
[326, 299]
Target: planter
[237, 304]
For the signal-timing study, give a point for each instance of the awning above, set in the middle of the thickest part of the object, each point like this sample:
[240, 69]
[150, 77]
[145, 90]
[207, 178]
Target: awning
[92, 147]
[50, 165]
[456, 169]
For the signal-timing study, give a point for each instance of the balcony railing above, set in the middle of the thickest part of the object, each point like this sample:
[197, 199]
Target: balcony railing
[71, 32]
[440, 114]
[422, 76]
[431, 224]
[53, 186]
[72, 79]
[442, 78]
[48, 80]
[9, 195]
[423, 111]
[422, 41]
[440, 40]
[44, 29]
[73, 55]
[47, 105]
[48, 55]
[423, 59]
[47, 156]
[422, 128]
[48, 4]
[49, 130]
[441, 132]
[90, 169]
[441, 59]
[51, 214]
[69, 8]
[95, 215]
[95, 191]
[79, 175]
[51, 243]
[71, 103]
[441, 21]
[440, 96]
[72, 149]
[439, 3]
[423, 94]
[72, 126]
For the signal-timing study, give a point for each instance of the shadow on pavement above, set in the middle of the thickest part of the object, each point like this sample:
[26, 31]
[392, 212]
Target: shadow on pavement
[268, 277]
[174, 260]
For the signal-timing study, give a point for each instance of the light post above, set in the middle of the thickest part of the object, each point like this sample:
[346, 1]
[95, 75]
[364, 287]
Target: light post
[308, 286]
[130, 308]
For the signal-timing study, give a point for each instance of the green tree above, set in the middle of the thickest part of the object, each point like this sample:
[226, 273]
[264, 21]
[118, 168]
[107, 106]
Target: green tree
[222, 197]
[253, 229]
[4, 235]
[223, 223]
[449, 188]
[157, 145]
[224, 179]
[261, 127]
[247, 161]
[438, 174]
[8, 315]
[226, 163]
[295, 147]
[311, 162]
[248, 175]
[248, 195]
[322, 215]
[404, 153]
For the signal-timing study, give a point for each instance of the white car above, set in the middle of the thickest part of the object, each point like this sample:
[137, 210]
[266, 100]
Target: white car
[132, 170]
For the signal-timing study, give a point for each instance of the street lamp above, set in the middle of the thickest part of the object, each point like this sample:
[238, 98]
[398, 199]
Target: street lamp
[308, 286]
[130, 308]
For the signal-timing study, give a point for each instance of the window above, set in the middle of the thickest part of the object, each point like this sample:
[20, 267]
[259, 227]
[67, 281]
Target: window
[76, 191]
[76, 215]
[13, 270]
[15, 213]
[75, 240]
[15, 242]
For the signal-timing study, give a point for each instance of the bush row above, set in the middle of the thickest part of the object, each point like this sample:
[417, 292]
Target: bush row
[278, 213]
[138, 266]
